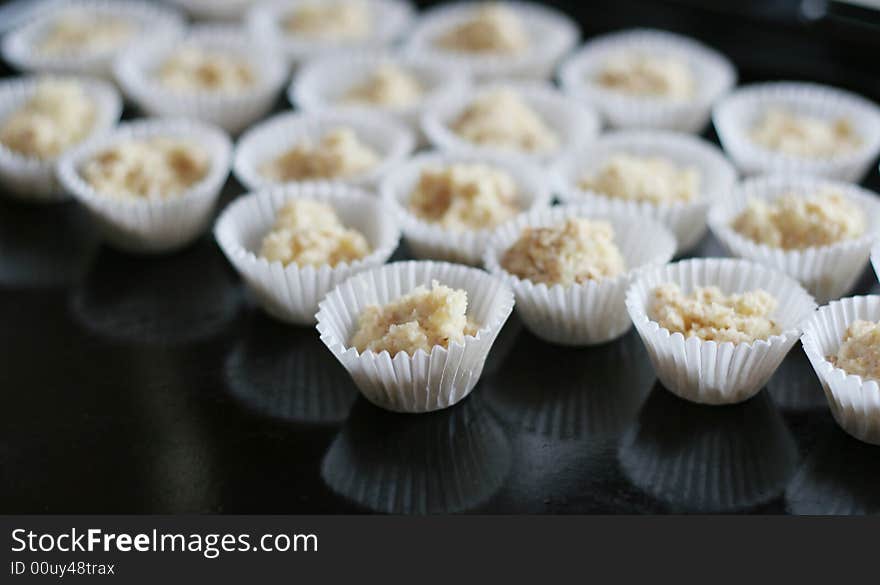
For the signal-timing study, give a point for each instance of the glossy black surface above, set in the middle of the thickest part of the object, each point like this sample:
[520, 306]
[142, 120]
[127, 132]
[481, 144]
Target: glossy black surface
[154, 385]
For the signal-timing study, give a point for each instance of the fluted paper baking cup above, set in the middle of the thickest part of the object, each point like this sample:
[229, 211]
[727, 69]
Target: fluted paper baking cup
[552, 34]
[828, 272]
[427, 240]
[136, 72]
[388, 21]
[217, 10]
[322, 84]
[709, 372]
[576, 125]
[854, 401]
[713, 73]
[592, 312]
[686, 219]
[291, 293]
[155, 23]
[735, 115]
[875, 259]
[151, 225]
[273, 137]
[33, 179]
[424, 381]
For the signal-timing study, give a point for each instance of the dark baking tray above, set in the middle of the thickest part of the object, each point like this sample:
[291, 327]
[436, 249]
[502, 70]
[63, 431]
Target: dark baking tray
[154, 385]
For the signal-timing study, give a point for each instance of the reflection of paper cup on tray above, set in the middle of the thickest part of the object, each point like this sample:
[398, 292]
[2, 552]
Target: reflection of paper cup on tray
[286, 372]
[707, 458]
[146, 300]
[447, 461]
[595, 392]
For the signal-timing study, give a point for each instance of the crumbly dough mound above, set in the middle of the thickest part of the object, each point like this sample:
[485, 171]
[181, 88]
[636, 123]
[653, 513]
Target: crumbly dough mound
[388, 86]
[421, 319]
[493, 28]
[152, 168]
[639, 74]
[501, 119]
[794, 222]
[58, 115]
[75, 34]
[860, 352]
[191, 70]
[309, 232]
[330, 20]
[711, 315]
[804, 136]
[339, 154]
[644, 178]
[572, 252]
[465, 196]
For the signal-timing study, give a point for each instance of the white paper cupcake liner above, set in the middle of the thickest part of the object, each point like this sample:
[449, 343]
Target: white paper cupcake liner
[321, 84]
[713, 73]
[135, 72]
[156, 23]
[588, 313]
[273, 137]
[431, 241]
[854, 401]
[828, 272]
[574, 124]
[706, 371]
[216, 10]
[686, 220]
[291, 293]
[151, 225]
[33, 179]
[440, 463]
[425, 381]
[552, 34]
[735, 115]
[700, 459]
[390, 18]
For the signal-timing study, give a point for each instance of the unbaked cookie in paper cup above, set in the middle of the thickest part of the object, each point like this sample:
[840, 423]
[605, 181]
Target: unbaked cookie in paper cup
[328, 26]
[569, 124]
[587, 313]
[736, 115]
[151, 224]
[828, 271]
[291, 292]
[542, 37]
[390, 140]
[423, 381]
[709, 372]
[705, 75]
[854, 400]
[140, 71]
[325, 83]
[112, 26]
[33, 179]
[430, 240]
[215, 10]
[686, 219]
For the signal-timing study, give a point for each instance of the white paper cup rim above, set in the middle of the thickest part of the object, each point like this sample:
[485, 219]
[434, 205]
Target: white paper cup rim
[272, 137]
[507, 234]
[717, 175]
[769, 187]
[452, 271]
[668, 273]
[335, 194]
[559, 34]
[214, 140]
[731, 114]
[574, 123]
[155, 18]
